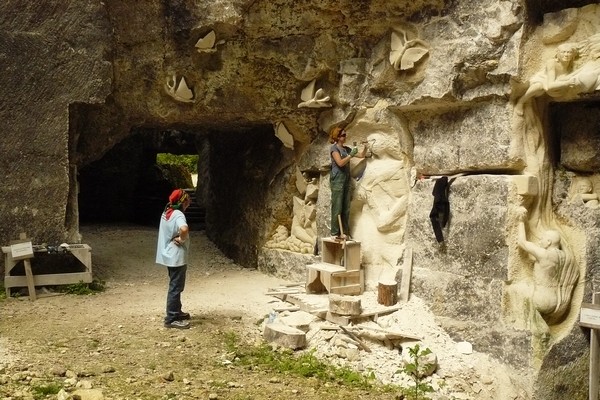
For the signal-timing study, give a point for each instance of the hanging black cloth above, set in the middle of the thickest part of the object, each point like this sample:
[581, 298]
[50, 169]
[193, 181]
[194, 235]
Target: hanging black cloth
[440, 212]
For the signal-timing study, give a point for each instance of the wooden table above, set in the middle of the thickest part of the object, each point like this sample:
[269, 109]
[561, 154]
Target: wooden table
[82, 252]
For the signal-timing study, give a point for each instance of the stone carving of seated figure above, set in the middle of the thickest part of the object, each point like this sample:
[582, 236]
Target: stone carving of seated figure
[303, 233]
[554, 274]
[585, 194]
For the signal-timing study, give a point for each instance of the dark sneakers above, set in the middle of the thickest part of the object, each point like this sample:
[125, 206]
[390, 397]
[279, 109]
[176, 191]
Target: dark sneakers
[177, 324]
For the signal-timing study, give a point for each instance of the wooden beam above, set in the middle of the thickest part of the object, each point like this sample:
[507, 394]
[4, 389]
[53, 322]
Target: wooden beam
[594, 356]
[406, 275]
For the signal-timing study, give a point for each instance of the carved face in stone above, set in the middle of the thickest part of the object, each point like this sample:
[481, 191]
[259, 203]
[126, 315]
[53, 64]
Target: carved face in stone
[584, 186]
[565, 53]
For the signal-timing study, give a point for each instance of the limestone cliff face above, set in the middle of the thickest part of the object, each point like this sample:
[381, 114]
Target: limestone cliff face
[92, 90]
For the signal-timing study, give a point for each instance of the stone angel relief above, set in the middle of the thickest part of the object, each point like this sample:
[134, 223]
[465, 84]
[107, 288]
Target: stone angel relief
[406, 53]
[179, 90]
[313, 99]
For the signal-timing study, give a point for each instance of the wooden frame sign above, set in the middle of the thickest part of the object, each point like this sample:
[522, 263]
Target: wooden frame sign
[21, 251]
[590, 315]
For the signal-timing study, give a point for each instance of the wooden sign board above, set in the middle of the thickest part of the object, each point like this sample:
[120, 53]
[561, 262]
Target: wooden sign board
[21, 251]
[590, 316]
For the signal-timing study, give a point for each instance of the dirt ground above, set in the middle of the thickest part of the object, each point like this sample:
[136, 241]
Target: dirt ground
[115, 342]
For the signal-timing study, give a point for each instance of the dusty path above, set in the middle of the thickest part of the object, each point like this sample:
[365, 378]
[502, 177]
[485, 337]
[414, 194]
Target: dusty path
[114, 341]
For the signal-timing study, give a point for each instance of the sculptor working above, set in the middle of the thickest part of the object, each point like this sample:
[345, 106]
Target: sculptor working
[340, 181]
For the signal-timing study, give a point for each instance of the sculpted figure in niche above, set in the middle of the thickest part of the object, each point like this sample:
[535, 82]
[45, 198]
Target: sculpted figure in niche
[556, 79]
[562, 78]
[554, 273]
[303, 233]
[585, 194]
[384, 188]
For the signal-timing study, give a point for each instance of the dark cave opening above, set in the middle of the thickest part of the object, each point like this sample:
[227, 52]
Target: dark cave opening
[239, 173]
[127, 185]
[575, 136]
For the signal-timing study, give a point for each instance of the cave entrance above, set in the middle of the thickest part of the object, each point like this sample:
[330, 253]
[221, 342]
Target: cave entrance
[239, 172]
[131, 182]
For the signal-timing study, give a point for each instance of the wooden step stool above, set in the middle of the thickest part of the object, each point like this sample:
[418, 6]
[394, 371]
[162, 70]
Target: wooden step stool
[339, 272]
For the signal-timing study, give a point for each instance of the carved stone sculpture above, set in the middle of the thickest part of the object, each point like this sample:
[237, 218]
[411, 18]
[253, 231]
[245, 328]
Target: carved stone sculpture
[312, 98]
[561, 77]
[179, 90]
[303, 233]
[554, 274]
[207, 43]
[585, 194]
[384, 188]
[282, 133]
[406, 53]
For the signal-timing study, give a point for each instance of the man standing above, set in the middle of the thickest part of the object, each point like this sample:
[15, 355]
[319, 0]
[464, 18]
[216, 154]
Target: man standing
[172, 252]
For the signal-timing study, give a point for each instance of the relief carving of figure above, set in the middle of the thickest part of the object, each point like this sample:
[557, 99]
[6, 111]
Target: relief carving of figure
[585, 194]
[555, 79]
[384, 188]
[554, 272]
[302, 236]
[561, 77]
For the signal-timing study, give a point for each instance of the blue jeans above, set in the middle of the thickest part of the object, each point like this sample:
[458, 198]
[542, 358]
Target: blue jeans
[176, 286]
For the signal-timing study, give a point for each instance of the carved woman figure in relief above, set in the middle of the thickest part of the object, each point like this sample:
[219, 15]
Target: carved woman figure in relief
[554, 272]
[555, 79]
[383, 187]
[585, 194]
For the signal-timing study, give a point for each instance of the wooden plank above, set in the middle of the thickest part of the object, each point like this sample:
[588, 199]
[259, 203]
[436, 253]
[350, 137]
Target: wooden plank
[594, 356]
[29, 279]
[406, 275]
[272, 292]
[379, 311]
[347, 289]
[360, 342]
[326, 267]
[49, 279]
[391, 334]
[285, 308]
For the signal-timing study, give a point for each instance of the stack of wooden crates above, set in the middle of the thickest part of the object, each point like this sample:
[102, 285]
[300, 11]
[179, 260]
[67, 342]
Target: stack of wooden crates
[339, 271]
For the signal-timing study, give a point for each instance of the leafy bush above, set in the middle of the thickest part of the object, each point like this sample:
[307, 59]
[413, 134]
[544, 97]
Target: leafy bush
[190, 162]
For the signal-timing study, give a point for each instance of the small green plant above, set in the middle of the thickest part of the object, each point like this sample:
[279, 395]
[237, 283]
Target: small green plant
[42, 391]
[82, 288]
[415, 369]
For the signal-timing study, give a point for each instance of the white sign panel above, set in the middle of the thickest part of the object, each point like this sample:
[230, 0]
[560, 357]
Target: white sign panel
[590, 315]
[21, 251]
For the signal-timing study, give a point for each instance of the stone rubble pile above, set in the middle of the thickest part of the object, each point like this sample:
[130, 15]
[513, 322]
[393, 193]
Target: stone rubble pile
[457, 371]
